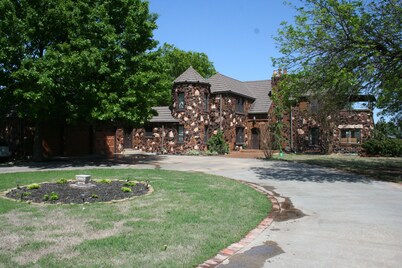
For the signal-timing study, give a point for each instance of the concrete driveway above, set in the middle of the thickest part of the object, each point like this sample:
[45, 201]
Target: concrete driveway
[349, 221]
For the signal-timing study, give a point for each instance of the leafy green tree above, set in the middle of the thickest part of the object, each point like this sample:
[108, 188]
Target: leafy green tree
[174, 62]
[344, 48]
[218, 144]
[72, 60]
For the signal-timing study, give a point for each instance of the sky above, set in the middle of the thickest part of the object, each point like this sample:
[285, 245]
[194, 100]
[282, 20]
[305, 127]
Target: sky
[237, 35]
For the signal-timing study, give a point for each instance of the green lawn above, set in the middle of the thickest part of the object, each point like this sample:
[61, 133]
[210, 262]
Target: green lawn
[379, 168]
[188, 219]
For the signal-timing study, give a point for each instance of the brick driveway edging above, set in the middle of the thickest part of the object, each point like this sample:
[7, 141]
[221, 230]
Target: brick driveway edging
[264, 224]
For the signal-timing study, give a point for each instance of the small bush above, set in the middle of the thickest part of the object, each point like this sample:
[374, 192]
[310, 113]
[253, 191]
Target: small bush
[94, 196]
[383, 147]
[46, 197]
[193, 152]
[126, 189]
[33, 186]
[104, 181]
[130, 184]
[218, 144]
[62, 181]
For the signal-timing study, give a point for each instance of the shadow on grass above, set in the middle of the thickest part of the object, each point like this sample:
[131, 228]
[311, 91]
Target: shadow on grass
[283, 171]
[97, 161]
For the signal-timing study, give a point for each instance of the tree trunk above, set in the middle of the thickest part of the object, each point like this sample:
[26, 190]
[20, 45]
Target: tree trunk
[37, 147]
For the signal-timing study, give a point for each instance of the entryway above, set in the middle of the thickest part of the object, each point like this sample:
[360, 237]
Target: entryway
[128, 138]
[255, 139]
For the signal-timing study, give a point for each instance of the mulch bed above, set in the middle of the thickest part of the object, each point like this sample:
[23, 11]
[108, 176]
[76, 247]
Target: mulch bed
[101, 192]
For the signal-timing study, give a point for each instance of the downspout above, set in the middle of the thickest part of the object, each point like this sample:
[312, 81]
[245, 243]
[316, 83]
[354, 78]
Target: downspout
[220, 111]
[115, 143]
[291, 129]
[163, 135]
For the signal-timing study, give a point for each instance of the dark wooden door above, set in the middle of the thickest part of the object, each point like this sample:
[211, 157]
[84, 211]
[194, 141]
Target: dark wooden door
[128, 139]
[255, 139]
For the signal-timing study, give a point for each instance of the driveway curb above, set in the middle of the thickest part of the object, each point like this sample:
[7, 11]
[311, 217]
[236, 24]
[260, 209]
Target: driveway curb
[231, 250]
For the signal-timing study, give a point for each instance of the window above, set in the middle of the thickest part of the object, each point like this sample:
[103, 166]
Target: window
[206, 99]
[180, 97]
[240, 105]
[350, 136]
[206, 134]
[314, 106]
[314, 134]
[149, 133]
[239, 135]
[180, 132]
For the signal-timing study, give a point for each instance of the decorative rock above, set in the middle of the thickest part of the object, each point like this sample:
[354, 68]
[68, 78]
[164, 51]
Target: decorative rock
[185, 119]
[156, 135]
[196, 147]
[300, 131]
[81, 179]
[196, 92]
[196, 129]
[171, 135]
[189, 108]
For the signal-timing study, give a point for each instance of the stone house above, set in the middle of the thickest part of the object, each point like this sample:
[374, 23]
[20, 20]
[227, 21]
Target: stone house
[243, 111]
[200, 106]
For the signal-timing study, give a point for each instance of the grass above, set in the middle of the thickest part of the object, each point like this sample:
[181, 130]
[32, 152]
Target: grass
[379, 168]
[188, 219]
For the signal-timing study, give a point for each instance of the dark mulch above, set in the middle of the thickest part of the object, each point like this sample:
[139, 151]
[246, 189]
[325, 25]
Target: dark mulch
[101, 192]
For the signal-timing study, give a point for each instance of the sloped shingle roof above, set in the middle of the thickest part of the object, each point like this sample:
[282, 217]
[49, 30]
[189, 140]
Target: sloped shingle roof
[260, 90]
[190, 75]
[163, 115]
[221, 83]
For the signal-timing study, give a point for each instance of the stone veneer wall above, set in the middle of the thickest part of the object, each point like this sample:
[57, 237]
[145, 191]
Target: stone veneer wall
[193, 117]
[353, 117]
[230, 119]
[302, 121]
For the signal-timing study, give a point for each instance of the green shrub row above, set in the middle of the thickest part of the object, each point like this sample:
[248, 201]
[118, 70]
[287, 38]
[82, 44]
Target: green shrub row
[383, 147]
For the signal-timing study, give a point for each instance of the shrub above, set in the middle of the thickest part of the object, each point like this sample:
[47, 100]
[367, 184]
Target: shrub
[218, 144]
[54, 196]
[94, 196]
[33, 186]
[193, 152]
[126, 189]
[62, 181]
[383, 147]
[104, 181]
[130, 184]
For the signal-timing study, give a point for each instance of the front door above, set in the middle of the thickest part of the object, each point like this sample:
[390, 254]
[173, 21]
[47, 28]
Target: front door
[255, 139]
[128, 139]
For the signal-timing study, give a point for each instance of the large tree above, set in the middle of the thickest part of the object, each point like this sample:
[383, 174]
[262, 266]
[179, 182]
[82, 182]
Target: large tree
[343, 48]
[75, 60]
[173, 62]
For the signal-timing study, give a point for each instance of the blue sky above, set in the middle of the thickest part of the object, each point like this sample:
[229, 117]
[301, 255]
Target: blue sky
[237, 35]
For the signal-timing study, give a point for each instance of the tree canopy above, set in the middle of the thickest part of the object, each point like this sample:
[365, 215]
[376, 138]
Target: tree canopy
[77, 59]
[344, 48]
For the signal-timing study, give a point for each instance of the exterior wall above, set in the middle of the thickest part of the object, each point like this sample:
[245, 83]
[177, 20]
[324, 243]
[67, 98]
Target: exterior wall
[360, 119]
[193, 117]
[163, 140]
[303, 120]
[229, 119]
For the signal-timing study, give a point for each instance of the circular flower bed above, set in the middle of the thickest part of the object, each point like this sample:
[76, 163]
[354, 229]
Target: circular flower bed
[64, 192]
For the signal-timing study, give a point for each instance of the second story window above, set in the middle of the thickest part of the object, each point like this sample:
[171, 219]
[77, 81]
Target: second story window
[240, 105]
[206, 99]
[180, 97]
